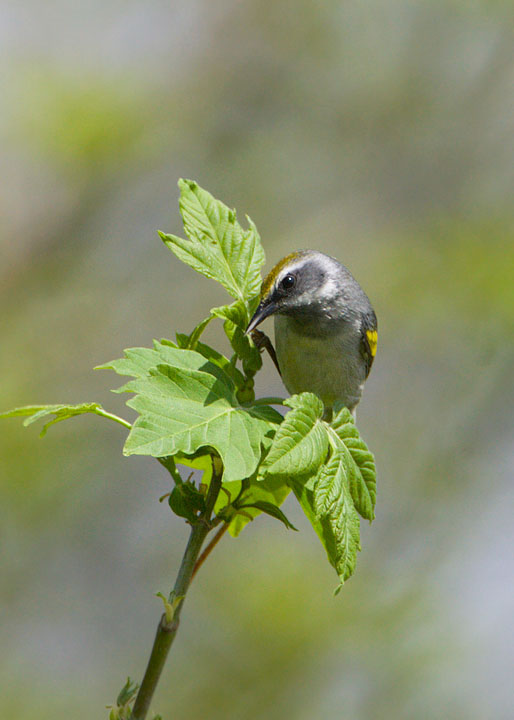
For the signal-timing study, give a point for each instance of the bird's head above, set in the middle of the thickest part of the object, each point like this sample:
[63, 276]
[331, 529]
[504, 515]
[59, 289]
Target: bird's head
[307, 285]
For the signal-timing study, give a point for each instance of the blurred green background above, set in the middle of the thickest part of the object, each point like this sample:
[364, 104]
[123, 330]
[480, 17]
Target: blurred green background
[382, 133]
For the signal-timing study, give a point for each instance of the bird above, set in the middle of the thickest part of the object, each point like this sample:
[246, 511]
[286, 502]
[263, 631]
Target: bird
[325, 327]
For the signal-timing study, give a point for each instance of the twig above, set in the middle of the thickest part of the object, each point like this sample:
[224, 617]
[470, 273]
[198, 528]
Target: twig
[167, 628]
[209, 548]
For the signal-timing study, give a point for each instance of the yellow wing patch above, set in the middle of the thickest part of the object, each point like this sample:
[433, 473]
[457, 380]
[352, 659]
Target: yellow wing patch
[372, 336]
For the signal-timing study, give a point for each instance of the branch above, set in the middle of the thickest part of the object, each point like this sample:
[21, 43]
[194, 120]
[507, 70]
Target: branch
[168, 625]
[209, 548]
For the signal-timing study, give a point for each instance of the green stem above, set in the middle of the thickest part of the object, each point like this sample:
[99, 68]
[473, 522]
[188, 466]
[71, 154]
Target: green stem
[167, 629]
[209, 548]
[105, 414]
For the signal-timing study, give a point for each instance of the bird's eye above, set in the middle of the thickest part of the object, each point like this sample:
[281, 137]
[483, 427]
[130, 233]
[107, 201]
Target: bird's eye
[288, 282]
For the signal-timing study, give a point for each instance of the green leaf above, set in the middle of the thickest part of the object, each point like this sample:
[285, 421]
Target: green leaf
[327, 502]
[184, 409]
[361, 464]
[270, 509]
[300, 444]
[237, 313]
[200, 462]
[271, 491]
[61, 412]
[217, 247]
[236, 319]
[197, 332]
[127, 692]
[214, 357]
[187, 403]
[138, 362]
[186, 501]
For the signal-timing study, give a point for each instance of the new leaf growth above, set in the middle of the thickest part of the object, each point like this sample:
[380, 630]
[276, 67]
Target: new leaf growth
[196, 408]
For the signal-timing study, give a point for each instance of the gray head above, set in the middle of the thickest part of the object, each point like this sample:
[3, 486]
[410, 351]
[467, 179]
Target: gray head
[313, 288]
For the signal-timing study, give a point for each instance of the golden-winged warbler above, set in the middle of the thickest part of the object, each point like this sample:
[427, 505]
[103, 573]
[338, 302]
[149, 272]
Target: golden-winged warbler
[325, 327]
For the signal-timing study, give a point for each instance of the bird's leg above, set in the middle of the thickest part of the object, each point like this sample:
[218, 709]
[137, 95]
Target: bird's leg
[262, 342]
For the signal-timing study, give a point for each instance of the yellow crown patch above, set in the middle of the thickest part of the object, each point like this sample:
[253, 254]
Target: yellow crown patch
[270, 278]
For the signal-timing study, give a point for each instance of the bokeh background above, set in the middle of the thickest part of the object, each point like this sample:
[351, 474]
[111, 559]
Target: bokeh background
[380, 132]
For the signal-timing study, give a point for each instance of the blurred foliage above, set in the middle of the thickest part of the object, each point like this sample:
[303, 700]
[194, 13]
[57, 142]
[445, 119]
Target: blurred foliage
[87, 123]
[380, 133]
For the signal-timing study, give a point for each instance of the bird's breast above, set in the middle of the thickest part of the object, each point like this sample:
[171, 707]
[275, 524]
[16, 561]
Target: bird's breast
[329, 365]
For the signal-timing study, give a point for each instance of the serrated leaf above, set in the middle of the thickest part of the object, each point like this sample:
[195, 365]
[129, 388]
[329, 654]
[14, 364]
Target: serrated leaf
[183, 409]
[300, 444]
[327, 502]
[362, 477]
[237, 313]
[33, 413]
[217, 247]
[236, 317]
[138, 362]
[214, 357]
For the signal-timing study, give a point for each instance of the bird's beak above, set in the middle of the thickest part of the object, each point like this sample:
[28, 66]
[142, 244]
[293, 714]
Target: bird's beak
[266, 308]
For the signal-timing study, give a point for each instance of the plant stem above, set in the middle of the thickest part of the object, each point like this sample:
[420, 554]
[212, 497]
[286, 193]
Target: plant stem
[167, 628]
[111, 416]
[268, 401]
[209, 548]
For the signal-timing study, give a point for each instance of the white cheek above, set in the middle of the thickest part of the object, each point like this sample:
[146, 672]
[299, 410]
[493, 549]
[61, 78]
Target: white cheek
[329, 287]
